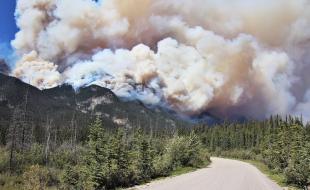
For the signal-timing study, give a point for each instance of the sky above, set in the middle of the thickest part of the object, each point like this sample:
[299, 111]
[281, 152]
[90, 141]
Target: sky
[198, 56]
[7, 21]
[7, 27]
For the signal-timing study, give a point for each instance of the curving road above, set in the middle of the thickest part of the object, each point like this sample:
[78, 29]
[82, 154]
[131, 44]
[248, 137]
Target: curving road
[222, 174]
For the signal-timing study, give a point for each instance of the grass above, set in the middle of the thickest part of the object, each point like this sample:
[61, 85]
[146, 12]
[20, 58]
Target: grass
[8, 182]
[184, 170]
[279, 178]
[15, 182]
[275, 176]
[176, 172]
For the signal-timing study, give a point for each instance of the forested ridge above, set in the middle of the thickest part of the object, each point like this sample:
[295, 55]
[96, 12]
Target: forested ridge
[283, 144]
[57, 139]
[123, 157]
[67, 112]
[118, 94]
[48, 139]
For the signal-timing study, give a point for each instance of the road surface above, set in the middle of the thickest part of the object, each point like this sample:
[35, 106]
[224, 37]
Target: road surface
[222, 174]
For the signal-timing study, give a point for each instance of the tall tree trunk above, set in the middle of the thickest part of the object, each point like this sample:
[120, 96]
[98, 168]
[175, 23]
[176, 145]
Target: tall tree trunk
[47, 146]
[12, 149]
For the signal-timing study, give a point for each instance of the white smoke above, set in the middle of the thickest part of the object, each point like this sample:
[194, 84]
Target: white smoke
[228, 58]
[37, 72]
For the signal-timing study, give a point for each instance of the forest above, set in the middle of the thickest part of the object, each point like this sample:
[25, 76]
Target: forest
[283, 144]
[110, 158]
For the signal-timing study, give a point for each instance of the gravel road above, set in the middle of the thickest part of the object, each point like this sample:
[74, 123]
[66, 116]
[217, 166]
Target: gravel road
[222, 174]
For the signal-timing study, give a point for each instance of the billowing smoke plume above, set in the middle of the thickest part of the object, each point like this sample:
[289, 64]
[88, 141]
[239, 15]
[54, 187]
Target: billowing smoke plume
[228, 58]
[37, 71]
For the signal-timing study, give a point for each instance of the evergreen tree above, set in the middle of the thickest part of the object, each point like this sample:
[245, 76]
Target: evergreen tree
[119, 158]
[96, 156]
[145, 160]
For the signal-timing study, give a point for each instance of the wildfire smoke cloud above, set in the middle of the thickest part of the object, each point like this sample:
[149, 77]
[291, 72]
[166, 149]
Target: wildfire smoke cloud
[229, 58]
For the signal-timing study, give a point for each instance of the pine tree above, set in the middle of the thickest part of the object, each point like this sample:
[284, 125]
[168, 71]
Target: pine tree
[145, 160]
[96, 156]
[120, 154]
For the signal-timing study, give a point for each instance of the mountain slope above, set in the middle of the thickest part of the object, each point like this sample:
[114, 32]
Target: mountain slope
[67, 110]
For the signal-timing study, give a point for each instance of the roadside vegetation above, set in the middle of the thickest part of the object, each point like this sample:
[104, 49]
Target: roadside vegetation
[111, 158]
[282, 146]
[108, 159]
[278, 177]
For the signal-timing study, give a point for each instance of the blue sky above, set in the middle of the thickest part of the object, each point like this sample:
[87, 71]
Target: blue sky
[7, 23]
[7, 27]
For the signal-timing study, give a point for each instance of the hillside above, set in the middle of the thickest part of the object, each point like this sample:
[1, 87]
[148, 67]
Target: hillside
[65, 109]
[3, 67]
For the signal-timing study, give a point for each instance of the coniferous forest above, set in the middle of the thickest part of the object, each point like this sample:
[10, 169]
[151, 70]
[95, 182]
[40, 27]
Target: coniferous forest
[283, 144]
[119, 94]
[110, 158]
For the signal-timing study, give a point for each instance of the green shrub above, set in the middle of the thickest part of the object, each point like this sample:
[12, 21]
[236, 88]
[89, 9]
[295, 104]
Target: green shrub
[237, 154]
[65, 155]
[34, 156]
[36, 178]
[175, 153]
[194, 152]
[74, 178]
[162, 165]
[4, 160]
[184, 152]
[296, 174]
[298, 170]
[10, 182]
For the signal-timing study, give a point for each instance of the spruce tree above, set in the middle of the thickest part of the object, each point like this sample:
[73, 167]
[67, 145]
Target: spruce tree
[145, 166]
[96, 156]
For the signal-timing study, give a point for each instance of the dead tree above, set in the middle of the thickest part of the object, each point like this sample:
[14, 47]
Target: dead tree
[25, 127]
[48, 137]
[15, 134]
[19, 130]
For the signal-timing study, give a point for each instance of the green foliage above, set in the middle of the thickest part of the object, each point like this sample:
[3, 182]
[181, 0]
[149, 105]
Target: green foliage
[9, 182]
[71, 178]
[184, 151]
[127, 156]
[96, 159]
[109, 159]
[145, 164]
[21, 160]
[36, 178]
[275, 176]
[298, 170]
[237, 153]
[120, 158]
[162, 165]
[4, 159]
[283, 145]
[66, 155]
[35, 155]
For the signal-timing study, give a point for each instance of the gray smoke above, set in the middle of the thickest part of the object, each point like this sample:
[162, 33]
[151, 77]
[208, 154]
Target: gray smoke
[229, 58]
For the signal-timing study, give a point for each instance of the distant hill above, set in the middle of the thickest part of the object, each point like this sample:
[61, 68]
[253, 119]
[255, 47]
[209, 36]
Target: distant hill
[3, 67]
[66, 109]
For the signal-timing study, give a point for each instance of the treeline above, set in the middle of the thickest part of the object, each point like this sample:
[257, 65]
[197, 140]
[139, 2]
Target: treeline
[101, 157]
[282, 144]
[108, 159]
